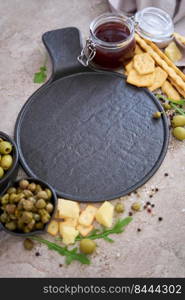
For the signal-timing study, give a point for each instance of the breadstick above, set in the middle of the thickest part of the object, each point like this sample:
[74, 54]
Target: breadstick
[170, 71]
[181, 92]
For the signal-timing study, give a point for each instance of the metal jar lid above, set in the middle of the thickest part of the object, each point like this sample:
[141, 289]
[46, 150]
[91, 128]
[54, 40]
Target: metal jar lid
[154, 24]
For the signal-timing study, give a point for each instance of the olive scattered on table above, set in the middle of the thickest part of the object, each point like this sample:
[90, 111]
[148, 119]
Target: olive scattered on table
[178, 120]
[23, 209]
[179, 133]
[157, 115]
[87, 246]
[6, 159]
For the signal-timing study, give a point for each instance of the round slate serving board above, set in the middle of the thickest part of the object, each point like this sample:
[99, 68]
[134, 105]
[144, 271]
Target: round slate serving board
[90, 134]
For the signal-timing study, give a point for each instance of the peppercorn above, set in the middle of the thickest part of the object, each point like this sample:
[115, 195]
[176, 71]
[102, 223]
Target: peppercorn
[149, 210]
[160, 219]
[153, 205]
[165, 174]
[130, 213]
[37, 254]
[138, 229]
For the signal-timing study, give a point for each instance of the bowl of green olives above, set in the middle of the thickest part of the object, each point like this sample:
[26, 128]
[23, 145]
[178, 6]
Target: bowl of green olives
[8, 160]
[27, 206]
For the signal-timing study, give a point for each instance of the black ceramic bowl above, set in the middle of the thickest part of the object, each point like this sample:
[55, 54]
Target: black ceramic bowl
[53, 201]
[12, 172]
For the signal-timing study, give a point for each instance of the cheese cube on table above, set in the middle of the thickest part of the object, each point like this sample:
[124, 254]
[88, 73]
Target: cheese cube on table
[87, 216]
[104, 215]
[68, 233]
[68, 209]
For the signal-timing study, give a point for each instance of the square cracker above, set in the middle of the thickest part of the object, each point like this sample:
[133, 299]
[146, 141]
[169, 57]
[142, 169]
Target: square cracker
[159, 78]
[144, 63]
[129, 66]
[140, 80]
[170, 91]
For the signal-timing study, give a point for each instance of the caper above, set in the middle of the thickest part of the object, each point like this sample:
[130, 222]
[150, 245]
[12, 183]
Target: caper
[10, 208]
[49, 207]
[87, 246]
[27, 217]
[11, 225]
[36, 217]
[27, 205]
[42, 195]
[40, 204]
[4, 217]
[39, 225]
[12, 197]
[5, 147]
[12, 217]
[49, 193]
[32, 199]
[26, 229]
[178, 120]
[19, 190]
[1, 140]
[32, 187]
[19, 197]
[28, 193]
[42, 212]
[1, 172]
[20, 224]
[166, 106]
[45, 218]
[38, 188]
[23, 184]
[179, 133]
[31, 225]
[156, 115]
[119, 208]
[4, 199]
[136, 206]
[28, 244]
[11, 190]
[18, 213]
[6, 161]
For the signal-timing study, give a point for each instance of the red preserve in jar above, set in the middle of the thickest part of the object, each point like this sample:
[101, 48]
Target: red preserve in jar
[111, 43]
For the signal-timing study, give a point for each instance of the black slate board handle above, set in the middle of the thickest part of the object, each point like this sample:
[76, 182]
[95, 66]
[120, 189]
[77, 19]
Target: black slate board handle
[64, 45]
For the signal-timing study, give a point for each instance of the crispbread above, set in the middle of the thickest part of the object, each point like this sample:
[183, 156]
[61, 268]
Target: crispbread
[143, 63]
[129, 66]
[140, 80]
[169, 90]
[138, 49]
[159, 78]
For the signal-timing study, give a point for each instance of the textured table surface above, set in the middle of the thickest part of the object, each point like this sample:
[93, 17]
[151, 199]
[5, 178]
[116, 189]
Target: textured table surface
[159, 249]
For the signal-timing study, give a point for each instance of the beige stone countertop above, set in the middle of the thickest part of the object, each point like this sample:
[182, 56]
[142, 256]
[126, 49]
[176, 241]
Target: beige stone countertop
[158, 250]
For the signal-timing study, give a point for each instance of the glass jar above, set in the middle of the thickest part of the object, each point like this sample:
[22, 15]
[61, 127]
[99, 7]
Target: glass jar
[154, 24]
[111, 43]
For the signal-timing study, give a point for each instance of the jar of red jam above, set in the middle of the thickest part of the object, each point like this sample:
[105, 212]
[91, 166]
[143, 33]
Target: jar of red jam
[111, 42]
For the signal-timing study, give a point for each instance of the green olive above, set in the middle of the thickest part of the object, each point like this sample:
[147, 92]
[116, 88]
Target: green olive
[49, 207]
[42, 195]
[27, 217]
[119, 208]
[11, 190]
[136, 206]
[32, 187]
[156, 115]
[5, 147]
[166, 106]
[178, 120]
[40, 204]
[179, 133]
[27, 205]
[6, 161]
[49, 193]
[87, 246]
[31, 225]
[11, 225]
[10, 208]
[23, 184]
[28, 244]
[1, 172]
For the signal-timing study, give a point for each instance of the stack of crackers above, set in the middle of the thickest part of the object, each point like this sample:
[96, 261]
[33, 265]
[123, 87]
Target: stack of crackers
[151, 68]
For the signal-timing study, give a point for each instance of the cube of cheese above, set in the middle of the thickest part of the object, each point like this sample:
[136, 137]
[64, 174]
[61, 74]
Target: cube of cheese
[68, 209]
[87, 216]
[104, 215]
[71, 221]
[53, 228]
[68, 233]
[84, 230]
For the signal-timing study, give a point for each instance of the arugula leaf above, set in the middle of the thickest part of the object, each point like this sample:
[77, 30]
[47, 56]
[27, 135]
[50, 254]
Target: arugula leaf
[104, 233]
[178, 109]
[69, 254]
[40, 76]
[174, 103]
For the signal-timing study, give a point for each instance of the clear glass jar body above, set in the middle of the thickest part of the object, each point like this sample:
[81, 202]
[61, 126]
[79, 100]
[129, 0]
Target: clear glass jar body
[113, 38]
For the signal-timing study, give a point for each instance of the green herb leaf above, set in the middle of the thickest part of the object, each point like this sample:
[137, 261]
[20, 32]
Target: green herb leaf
[174, 103]
[117, 228]
[40, 76]
[69, 254]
